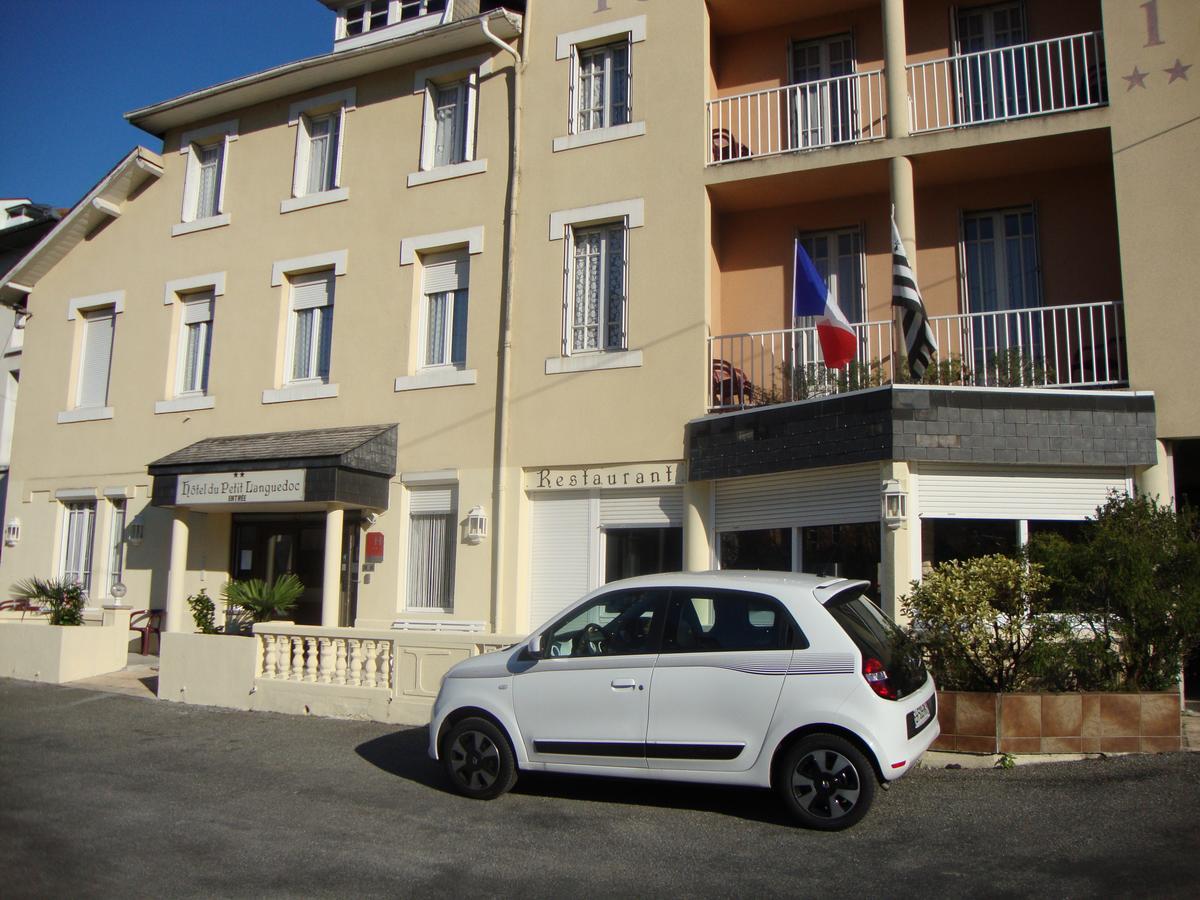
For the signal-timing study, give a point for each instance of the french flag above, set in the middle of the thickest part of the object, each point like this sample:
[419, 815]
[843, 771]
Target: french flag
[811, 297]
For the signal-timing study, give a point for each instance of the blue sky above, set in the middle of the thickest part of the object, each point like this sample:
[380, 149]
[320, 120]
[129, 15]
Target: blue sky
[73, 68]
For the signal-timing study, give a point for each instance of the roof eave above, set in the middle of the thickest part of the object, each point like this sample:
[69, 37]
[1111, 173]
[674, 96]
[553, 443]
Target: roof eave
[315, 71]
[97, 205]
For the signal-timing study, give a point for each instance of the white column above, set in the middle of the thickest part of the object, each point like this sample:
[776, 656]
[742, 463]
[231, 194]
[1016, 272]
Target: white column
[1158, 480]
[331, 584]
[904, 209]
[895, 55]
[897, 544]
[697, 504]
[176, 615]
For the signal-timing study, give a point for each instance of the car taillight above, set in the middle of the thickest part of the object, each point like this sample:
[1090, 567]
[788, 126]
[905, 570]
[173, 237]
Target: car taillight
[877, 678]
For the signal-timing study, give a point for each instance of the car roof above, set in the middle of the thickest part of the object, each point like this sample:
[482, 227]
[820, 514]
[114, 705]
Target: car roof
[775, 583]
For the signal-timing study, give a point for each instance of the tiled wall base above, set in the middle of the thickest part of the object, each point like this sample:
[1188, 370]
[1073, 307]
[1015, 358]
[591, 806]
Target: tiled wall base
[1058, 723]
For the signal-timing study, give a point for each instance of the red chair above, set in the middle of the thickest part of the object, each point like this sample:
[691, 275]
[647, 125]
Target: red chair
[725, 147]
[146, 622]
[731, 387]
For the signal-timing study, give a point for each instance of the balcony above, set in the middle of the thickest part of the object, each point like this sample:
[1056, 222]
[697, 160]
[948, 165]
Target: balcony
[809, 116]
[1076, 346]
[1017, 82]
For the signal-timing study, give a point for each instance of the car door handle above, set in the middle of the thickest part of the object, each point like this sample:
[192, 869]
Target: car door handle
[623, 683]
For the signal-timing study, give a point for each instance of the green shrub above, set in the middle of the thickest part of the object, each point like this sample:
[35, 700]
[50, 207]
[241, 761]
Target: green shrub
[63, 596]
[263, 600]
[203, 612]
[983, 623]
[1134, 582]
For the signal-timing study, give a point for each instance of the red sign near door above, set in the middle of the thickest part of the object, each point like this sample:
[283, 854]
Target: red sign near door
[374, 547]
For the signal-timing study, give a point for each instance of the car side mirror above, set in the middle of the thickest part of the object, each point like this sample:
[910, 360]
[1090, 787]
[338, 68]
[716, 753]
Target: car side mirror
[535, 646]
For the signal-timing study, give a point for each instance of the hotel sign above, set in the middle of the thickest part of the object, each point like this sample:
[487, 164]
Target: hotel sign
[635, 475]
[274, 486]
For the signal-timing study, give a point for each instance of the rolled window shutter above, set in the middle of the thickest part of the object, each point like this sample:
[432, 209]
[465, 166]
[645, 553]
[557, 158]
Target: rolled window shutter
[97, 358]
[428, 500]
[198, 308]
[445, 272]
[312, 290]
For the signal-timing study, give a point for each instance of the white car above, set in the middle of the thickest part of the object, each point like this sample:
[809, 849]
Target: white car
[763, 679]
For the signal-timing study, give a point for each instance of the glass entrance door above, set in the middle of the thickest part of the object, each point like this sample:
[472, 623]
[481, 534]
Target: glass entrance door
[269, 546]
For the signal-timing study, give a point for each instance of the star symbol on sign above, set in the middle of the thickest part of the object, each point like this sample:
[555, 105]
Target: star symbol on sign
[1136, 78]
[1177, 71]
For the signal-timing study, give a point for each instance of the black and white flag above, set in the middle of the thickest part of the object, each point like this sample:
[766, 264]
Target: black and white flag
[919, 342]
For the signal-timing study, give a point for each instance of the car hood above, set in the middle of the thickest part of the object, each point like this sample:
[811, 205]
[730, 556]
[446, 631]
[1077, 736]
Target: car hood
[489, 665]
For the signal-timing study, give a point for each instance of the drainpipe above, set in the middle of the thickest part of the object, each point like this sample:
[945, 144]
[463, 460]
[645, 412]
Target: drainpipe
[500, 455]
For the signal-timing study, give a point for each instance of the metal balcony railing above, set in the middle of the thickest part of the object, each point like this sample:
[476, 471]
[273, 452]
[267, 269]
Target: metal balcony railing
[808, 116]
[1032, 79]
[1077, 346]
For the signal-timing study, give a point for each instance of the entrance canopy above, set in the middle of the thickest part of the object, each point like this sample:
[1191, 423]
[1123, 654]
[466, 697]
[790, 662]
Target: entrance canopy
[287, 470]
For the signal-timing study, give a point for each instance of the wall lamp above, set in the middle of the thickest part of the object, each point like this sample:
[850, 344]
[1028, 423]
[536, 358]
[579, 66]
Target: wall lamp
[477, 525]
[894, 504]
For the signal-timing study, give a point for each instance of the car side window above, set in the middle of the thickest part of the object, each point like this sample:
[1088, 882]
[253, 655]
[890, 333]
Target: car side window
[623, 623]
[707, 621]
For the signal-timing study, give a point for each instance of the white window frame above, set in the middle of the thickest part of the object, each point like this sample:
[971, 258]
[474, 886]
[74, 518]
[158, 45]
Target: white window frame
[78, 308]
[87, 568]
[426, 82]
[428, 499]
[564, 225]
[191, 143]
[198, 386]
[176, 294]
[569, 46]
[282, 274]
[301, 115]
[343, 17]
[452, 303]
[118, 518]
[415, 250]
[321, 331]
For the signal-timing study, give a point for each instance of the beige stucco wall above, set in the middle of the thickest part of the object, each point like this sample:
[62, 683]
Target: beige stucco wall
[57, 654]
[1154, 141]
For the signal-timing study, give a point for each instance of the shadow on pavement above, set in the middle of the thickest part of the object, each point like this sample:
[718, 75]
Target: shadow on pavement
[405, 755]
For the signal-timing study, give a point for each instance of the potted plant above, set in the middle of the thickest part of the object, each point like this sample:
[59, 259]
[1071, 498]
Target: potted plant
[62, 597]
[263, 600]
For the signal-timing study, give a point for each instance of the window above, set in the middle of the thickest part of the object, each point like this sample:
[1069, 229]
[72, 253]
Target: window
[641, 551]
[444, 322]
[824, 101]
[207, 152]
[597, 308]
[838, 256]
[623, 623]
[412, 9]
[195, 346]
[320, 125]
[116, 567]
[602, 87]
[311, 327]
[450, 123]
[600, 82]
[768, 549]
[79, 527]
[95, 366]
[995, 85]
[364, 17]
[431, 544]
[726, 621]
[1001, 272]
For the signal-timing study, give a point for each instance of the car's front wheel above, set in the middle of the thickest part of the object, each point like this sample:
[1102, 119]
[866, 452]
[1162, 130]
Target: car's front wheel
[826, 782]
[479, 760]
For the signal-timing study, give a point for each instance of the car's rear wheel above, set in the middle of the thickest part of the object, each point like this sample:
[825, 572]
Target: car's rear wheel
[826, 782]
[479, 760]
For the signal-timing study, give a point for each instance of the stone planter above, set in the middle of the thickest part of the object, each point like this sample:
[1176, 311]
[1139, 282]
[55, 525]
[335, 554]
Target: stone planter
[1058, 723]
[60, 653]
[208, 669]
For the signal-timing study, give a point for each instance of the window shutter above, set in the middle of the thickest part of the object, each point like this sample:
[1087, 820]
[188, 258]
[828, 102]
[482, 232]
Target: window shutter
[430, 500]
[568, 287]
[191, 185]
[198, 308]
[312, 290]
[573, 98]
[303, 138]
[97, 358]
[445, 272]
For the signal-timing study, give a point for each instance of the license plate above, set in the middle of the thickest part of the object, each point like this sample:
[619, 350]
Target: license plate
[919, 717]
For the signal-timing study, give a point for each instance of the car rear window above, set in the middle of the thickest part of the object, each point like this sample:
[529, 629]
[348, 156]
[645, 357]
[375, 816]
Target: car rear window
[877, 636]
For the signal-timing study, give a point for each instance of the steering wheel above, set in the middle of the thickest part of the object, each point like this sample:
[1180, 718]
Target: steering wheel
[590, 641]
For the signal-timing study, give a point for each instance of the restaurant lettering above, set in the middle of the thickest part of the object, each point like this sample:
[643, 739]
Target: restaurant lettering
[604, 477]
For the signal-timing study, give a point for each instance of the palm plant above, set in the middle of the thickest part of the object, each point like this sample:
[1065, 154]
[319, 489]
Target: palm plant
[263, 600]
[63, 596]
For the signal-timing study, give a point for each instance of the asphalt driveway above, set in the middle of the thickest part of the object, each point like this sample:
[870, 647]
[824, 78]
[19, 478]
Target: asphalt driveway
[104, 795]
